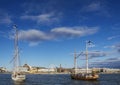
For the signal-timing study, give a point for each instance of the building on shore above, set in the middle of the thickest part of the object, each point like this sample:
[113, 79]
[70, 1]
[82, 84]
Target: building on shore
[36, 69]
[2, 69]
[27, 67]
[110, 70]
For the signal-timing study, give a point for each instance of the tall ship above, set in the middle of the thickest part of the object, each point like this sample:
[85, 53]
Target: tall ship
[17, 74]
[87, 75]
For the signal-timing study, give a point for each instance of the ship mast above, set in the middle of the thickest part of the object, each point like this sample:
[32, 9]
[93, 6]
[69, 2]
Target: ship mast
[75, 62]
[86, 57]
[16, 55]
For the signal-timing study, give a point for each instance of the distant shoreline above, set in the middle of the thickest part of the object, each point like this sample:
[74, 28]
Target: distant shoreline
[32, 73]
[53, 73]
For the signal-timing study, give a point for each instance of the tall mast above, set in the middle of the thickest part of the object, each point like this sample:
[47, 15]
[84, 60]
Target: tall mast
[75, 61]
[86, 57]
[16, 61]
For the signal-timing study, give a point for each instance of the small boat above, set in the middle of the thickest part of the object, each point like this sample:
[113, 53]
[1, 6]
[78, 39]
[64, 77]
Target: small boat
[92, 75]
[17, 75]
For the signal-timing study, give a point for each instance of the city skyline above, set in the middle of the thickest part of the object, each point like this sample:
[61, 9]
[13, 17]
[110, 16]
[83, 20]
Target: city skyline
[50, 31]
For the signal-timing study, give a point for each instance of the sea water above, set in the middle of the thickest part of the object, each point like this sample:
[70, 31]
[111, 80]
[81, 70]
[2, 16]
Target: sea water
[59, 79]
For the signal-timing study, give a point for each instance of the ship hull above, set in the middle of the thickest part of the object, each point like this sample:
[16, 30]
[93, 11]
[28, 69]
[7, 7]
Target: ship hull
[18, 77]
[84, 76]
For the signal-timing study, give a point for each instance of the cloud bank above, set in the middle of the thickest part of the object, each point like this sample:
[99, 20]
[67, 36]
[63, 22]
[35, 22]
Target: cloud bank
[74, 31]
[97, 54]
[115, 46]
[93, 54]
[34, 36]
[108, 63]
[47, 18]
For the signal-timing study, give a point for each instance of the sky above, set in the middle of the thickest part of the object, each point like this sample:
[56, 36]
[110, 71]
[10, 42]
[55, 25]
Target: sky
[50, 31]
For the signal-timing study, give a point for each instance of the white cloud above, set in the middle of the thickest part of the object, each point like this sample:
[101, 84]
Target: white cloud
[33, 36]
[5, 18]
[96, 54]
[38, 7]
[113, 37]
[42, 18]
[98, 7]
[92, 54]
[116, 47]
[109, 63]
[112, 46]
[94, 6]
[112, 59]
[33, 43]
[75, 31]
[3, 34]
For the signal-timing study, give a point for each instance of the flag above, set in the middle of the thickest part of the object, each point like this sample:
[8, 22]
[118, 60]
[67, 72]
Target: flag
[90, 44]
[14, 26]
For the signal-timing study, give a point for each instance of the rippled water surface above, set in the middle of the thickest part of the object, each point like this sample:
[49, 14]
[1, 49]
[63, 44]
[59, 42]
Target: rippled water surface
[60, 79]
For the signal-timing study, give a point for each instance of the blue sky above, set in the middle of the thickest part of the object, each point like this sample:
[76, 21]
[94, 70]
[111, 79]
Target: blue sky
[50, 31]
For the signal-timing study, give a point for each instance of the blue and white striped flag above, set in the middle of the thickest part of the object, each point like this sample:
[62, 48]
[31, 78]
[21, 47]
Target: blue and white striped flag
[90, 44]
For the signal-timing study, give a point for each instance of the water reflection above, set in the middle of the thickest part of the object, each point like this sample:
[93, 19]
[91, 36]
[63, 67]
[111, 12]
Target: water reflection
[19, 83]
[83, 82]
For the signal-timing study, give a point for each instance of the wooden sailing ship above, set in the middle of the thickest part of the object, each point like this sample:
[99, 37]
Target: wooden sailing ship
[17, 75]
[86, 75]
